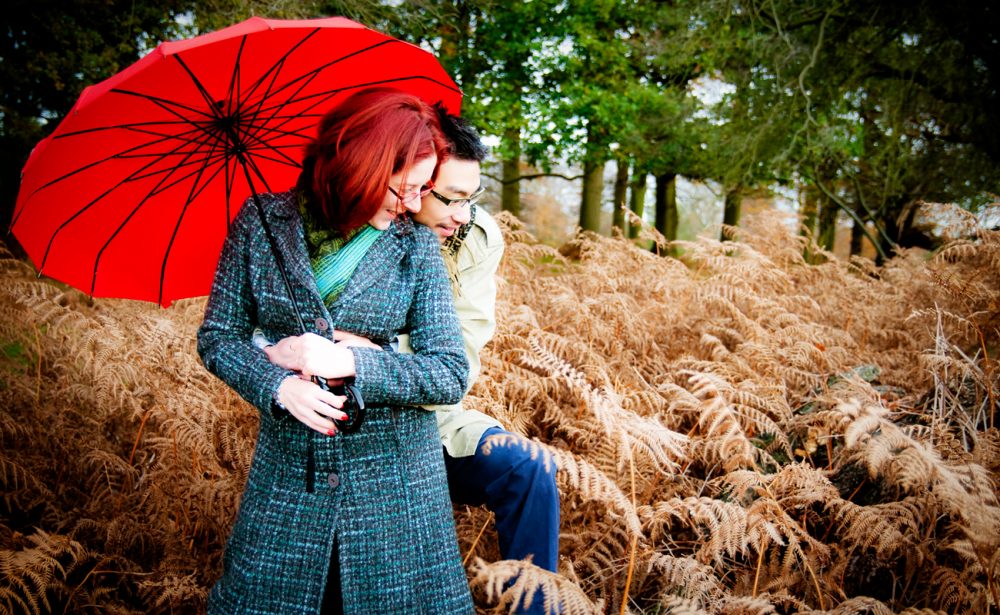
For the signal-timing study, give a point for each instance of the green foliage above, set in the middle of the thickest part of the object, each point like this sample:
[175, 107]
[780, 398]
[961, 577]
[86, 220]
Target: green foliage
[879, 107]
[874, 108]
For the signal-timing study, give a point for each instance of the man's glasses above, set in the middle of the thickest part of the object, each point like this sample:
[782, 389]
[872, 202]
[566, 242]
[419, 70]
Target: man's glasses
[472, 199]
[406, 197]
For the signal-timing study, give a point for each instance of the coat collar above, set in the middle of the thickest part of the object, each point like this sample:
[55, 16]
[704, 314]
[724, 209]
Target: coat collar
[382, 258]
[286, 226]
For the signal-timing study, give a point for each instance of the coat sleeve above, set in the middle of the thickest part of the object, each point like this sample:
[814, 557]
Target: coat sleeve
[225, 336]
[438, 370]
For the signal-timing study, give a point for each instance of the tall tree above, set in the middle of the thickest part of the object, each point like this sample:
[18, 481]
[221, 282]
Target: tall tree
[598, 82]
[671, 129]
[880, 107]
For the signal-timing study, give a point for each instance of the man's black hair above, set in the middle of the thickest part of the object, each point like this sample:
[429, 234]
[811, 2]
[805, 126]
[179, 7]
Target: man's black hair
[465, 141]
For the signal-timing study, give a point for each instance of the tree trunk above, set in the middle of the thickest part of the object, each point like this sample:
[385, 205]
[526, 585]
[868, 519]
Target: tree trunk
[810, 209]
[666, 208]
[666, 205]
[731, 208]
[590, 203]
[857, 237]
[638, 203]
[621, 193]
[826, 233]
[811, 200]
[857, 231]
[510, 193]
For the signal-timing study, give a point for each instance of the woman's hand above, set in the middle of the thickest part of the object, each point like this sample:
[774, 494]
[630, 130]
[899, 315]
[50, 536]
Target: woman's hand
[312, 355]
[311, 405]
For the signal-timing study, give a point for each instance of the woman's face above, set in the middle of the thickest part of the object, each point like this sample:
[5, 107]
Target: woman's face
[408, 199]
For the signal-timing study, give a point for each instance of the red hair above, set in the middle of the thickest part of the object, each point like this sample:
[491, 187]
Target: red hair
[362, 142]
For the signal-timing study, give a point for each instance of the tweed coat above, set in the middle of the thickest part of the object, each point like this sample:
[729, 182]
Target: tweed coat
[381, 492]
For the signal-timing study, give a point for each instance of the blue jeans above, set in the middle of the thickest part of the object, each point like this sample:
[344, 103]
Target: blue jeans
[522, 495]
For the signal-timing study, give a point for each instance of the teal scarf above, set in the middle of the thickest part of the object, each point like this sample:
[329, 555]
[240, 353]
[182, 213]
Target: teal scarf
[334, 269]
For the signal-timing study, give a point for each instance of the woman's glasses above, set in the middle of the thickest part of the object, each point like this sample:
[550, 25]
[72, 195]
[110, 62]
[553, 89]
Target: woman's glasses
[406, 197]
[459, 202]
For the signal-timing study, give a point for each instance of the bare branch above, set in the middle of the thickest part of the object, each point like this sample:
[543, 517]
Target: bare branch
[850, 212]
[534, 176]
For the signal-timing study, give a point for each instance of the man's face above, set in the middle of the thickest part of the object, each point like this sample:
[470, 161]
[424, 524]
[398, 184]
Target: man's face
[456, 179]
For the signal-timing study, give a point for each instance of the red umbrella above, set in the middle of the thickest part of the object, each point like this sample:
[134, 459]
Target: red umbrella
[131, 196]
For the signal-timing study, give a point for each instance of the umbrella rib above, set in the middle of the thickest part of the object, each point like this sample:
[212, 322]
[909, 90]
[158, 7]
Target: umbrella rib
[263, 145]
[305, 78]
[235, 80]
[255, 127]
[128, 218]
[83, 209]
[328, 94]
[283, 159]
[127, 153]
[254, 131]
[192, 195]
[309, 75]
[206, 160]
[164, 102]
[133, 126]
[206, 129]
[275, 69]
[123, 154]
[215, 111]
[321, 98]
[190, 136]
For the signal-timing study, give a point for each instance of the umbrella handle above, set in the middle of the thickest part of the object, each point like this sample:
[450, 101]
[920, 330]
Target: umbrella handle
[354, 407]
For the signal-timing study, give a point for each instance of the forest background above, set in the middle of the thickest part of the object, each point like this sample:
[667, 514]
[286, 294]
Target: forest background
[755, 427]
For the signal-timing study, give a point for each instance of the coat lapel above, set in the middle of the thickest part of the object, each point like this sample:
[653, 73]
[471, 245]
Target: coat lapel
[286, 227]
[381, 260]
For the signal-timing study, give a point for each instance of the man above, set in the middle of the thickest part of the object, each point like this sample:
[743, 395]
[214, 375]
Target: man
[518, 489]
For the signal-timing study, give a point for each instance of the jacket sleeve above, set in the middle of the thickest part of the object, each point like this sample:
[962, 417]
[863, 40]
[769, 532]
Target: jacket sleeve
[475, 303]
[225, 336]
[438, 370]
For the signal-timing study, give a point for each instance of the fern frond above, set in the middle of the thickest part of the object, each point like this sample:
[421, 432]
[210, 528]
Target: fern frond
[514, 584]
[576, 474]
[27, 575]
[685, 577]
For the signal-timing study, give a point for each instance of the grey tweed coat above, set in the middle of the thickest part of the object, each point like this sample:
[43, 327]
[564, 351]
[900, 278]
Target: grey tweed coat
[381, 492]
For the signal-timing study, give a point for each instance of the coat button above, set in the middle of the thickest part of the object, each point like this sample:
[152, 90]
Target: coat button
[321, 324]
[333, 480]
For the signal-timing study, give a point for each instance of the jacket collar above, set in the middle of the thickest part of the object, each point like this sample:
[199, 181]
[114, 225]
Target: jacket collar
[286, 226]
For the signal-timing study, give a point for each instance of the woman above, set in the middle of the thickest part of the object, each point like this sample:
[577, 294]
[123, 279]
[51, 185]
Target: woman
[358, 521]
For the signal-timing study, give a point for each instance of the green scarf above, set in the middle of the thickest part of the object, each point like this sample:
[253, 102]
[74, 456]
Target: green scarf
[333, 257]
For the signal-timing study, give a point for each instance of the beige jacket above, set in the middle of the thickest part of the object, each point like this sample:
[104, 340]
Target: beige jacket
[475, 302]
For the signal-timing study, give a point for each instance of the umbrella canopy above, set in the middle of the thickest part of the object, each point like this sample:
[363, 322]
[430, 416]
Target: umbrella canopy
[132, 195]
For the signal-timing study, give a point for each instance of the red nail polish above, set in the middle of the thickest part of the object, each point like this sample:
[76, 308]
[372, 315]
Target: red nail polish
[332, 432]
